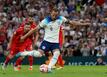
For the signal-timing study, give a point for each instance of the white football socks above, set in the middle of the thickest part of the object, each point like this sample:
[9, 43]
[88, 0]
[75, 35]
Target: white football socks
[34, 53]
[53, 60]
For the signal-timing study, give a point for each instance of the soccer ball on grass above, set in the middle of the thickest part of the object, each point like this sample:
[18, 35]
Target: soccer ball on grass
[43, 68]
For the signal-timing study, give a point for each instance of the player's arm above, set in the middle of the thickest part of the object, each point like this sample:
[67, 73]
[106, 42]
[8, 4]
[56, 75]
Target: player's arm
[28, 34]
[36, 34]
[42, 24]
[76, 23]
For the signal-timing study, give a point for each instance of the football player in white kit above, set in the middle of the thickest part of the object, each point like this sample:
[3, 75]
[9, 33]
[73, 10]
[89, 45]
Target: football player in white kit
[51, 25]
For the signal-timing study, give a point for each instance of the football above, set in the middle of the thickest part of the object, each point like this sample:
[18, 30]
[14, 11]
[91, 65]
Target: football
[43, 68]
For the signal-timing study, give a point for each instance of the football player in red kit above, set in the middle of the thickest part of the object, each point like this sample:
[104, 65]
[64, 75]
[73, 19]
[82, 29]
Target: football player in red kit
[16, 44]
[29, 41]
[60, 61]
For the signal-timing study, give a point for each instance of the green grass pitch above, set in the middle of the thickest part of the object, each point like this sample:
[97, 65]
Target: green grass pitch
[67, 71]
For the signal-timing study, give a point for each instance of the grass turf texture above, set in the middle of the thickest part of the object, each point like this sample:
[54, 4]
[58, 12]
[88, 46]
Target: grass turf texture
[67, 71]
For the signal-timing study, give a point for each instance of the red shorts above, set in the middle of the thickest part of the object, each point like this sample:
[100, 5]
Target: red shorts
[15, 50]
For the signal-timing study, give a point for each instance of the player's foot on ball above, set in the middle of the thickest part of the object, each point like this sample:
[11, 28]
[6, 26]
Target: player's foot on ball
[17, 68]
[4, 66]
[30, 68]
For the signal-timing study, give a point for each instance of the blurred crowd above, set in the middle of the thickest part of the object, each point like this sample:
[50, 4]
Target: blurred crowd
[79, 41]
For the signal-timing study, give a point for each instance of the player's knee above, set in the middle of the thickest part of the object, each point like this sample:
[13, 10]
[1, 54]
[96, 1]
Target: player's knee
[57, 53]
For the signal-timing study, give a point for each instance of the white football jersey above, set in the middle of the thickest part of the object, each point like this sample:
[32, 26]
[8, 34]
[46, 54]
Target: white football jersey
[52, 28]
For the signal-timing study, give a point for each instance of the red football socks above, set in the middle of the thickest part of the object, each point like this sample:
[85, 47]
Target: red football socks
[30, 60]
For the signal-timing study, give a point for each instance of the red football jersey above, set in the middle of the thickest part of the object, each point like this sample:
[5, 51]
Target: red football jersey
[30, 38]
[16, 38]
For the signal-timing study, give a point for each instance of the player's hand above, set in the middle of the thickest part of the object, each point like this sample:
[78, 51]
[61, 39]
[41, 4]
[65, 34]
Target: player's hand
[22, 39]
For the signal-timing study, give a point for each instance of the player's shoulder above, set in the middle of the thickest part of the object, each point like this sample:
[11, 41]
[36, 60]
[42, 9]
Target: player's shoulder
[47, 19]
[20, 29]
[60, 17]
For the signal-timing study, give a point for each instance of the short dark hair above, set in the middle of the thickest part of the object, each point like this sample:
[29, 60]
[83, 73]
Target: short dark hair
[27, 23]
[55, 9]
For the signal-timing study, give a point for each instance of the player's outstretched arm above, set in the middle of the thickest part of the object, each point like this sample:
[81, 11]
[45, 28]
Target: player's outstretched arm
[76, 23]
[28, 34]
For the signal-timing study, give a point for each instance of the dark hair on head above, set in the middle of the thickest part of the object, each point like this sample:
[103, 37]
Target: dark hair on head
[27, 23]
[55, 9]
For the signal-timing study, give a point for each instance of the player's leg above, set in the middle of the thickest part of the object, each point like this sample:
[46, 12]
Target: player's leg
[30, 58]
[54, 59]
[60, 62]
[35, 53]
[56, 52]
[8, 58]
[17, 65]
[29, 47]
[38, 53]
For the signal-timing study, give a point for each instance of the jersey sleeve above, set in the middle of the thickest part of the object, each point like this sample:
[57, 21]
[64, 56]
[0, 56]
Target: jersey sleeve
[63, 19]
[43, 23]
[19, 31]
